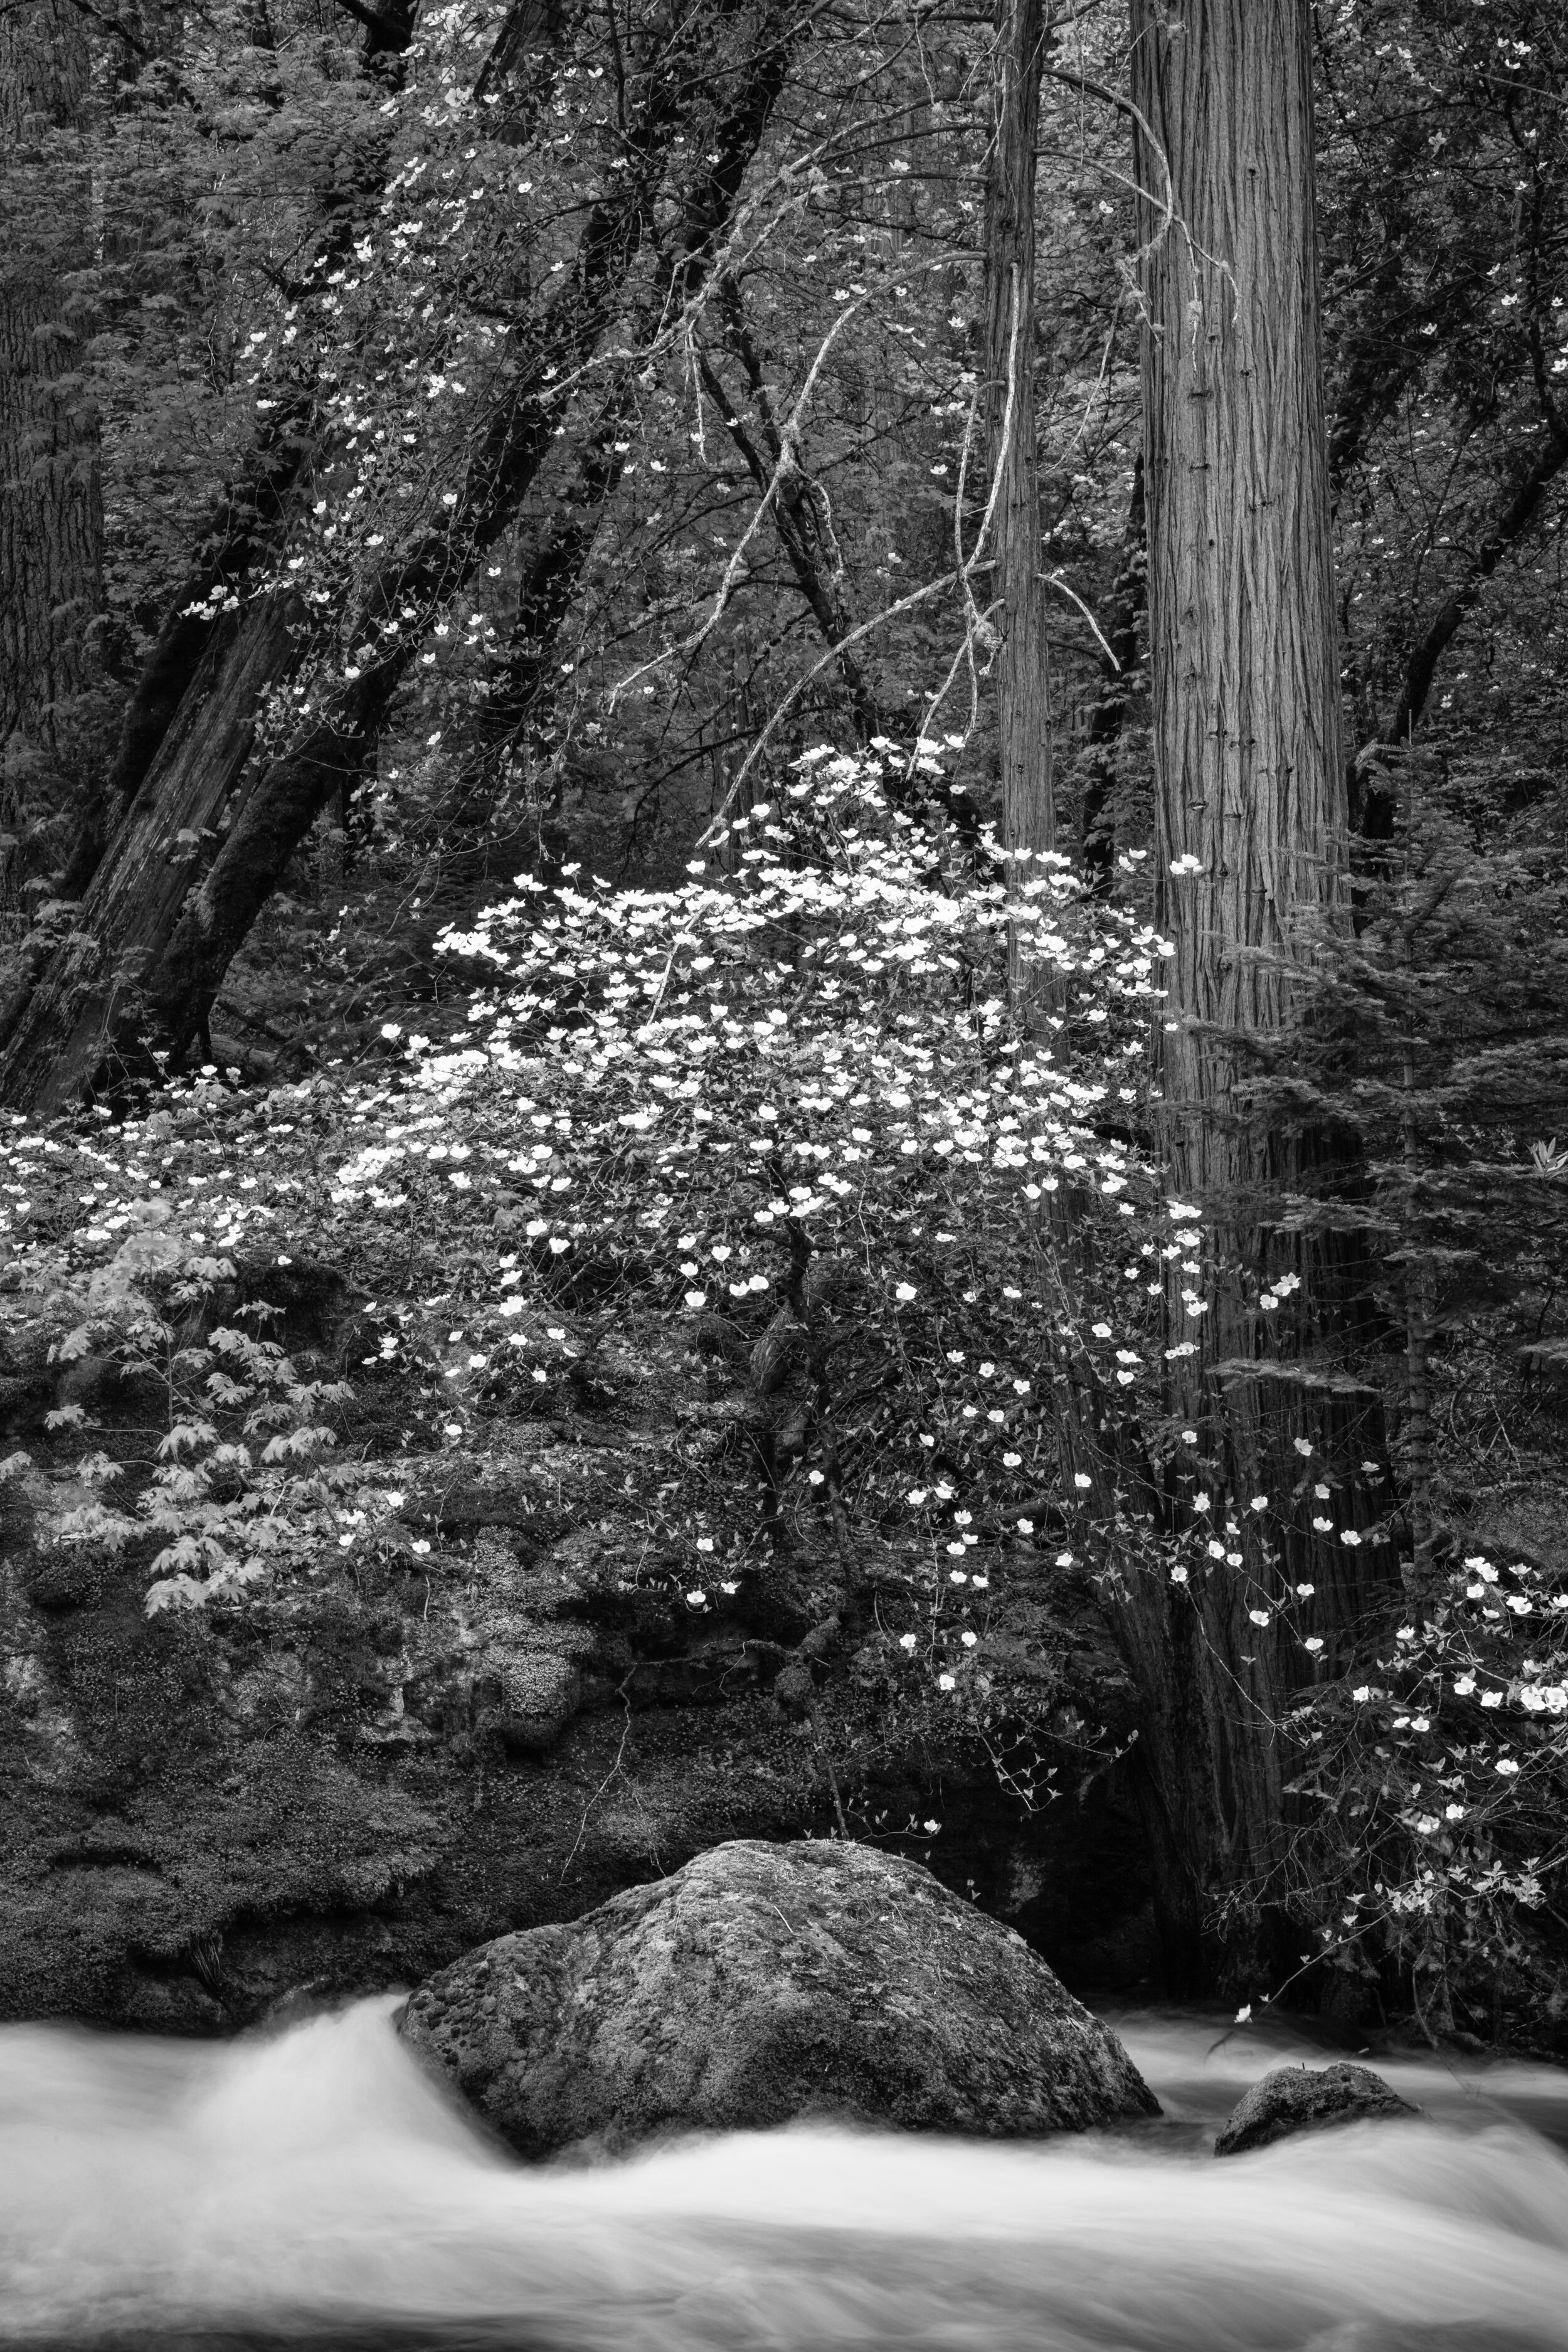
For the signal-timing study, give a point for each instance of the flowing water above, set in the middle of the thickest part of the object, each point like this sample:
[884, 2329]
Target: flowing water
[314, 2188]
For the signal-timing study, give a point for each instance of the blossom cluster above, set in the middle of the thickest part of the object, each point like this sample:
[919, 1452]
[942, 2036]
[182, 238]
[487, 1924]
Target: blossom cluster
[801, 1062]
[1446, 1760]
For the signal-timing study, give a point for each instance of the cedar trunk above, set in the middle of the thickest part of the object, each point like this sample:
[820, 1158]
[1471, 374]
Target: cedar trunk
[53, 1031]
[1023, 698]
[1249, 787]
[51, 519]
[1243, 656]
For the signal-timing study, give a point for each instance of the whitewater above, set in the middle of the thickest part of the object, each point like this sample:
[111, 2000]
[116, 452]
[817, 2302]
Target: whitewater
[315, 2187]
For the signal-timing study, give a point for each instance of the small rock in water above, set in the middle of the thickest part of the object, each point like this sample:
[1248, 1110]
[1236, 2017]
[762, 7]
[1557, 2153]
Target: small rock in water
[1301, 2098]
[764, 1982]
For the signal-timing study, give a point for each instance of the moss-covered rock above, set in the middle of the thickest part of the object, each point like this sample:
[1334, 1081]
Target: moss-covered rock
[1304, 2098]
[764, 1982]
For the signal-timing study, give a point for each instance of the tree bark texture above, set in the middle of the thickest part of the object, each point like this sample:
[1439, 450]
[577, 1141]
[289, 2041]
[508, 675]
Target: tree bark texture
[51, 517]
[144, 959]
[1244, 661]
[1023, 694]
[54, 1030]
[250, 512]
[1249, 785]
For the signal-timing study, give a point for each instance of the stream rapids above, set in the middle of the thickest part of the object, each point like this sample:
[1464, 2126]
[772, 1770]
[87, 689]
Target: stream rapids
[315, 2188]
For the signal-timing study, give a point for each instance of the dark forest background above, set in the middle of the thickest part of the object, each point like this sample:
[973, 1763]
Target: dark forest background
[440, 446]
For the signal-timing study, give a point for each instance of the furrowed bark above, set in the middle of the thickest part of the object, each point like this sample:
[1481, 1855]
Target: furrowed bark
[250, 512]
[1251, 808]
[1023, 692]
[1243, 643]
[51, 515]
[52, 1034]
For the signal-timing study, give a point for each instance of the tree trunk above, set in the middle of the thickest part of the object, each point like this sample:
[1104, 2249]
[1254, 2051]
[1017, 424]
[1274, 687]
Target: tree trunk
[175, 949]
[252, 511]
[1243, 654]
[1023, 694]
[92, 989]
[1250, 812]
[51, 516]
[514, 730]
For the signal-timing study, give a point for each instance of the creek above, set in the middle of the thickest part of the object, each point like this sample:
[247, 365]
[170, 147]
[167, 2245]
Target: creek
[313, 2190]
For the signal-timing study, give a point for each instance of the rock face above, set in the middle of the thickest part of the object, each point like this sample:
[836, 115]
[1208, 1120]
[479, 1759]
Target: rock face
[1300, 2098]
[764, 1982]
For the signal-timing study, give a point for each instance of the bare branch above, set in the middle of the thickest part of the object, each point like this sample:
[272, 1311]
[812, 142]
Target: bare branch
[788, 441]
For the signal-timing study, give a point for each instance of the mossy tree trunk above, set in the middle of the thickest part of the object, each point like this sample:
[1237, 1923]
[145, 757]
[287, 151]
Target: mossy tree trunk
[211, 833]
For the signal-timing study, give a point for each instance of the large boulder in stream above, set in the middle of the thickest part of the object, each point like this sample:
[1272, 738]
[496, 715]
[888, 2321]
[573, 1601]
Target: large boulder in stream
[1303, 2098]
[764, 1982]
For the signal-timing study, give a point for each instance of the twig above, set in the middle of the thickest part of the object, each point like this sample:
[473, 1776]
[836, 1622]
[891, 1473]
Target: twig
[787, 463]
[611, 1775]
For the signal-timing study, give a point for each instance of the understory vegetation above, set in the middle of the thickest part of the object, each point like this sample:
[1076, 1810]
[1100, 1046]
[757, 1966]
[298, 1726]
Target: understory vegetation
[766, 1141]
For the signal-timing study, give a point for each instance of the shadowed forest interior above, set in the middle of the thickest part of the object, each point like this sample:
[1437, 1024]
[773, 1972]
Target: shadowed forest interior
[784, 1003]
